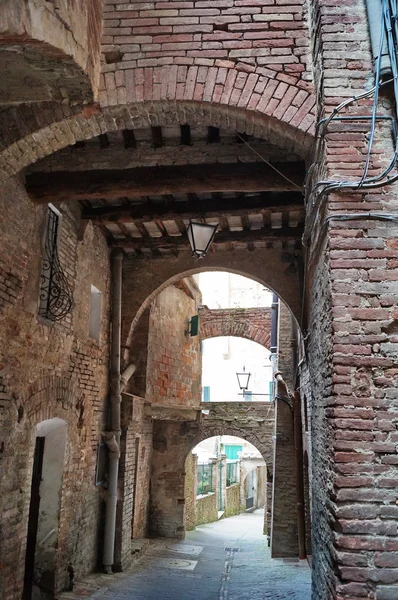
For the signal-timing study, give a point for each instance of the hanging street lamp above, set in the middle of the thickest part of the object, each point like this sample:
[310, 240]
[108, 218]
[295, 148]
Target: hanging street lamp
[243, 380]
[200, 236]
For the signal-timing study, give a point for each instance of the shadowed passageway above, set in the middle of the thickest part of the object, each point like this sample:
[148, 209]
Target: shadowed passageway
[226, 560]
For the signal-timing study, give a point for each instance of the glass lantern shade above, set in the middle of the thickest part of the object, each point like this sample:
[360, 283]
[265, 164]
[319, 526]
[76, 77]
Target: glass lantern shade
[200, 236]
[243, 379]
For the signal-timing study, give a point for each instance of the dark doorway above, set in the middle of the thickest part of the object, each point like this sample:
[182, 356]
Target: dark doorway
[33, 518]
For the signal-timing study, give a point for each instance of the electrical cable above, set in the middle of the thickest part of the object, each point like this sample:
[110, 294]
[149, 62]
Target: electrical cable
[268, 163]
[390, 29]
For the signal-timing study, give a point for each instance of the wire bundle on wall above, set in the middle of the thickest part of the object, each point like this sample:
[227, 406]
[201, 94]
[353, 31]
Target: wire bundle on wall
[388, 45]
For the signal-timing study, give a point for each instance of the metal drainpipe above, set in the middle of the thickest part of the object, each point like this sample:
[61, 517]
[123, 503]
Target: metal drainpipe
[299, 467]
[112, 438]
[274, 324]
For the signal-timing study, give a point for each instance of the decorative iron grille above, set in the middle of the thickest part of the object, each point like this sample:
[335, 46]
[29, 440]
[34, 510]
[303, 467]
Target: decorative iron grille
[55, 293]
[205, 479]
[232, 472]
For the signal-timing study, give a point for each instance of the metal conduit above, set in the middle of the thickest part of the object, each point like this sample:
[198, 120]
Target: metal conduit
[374, 9]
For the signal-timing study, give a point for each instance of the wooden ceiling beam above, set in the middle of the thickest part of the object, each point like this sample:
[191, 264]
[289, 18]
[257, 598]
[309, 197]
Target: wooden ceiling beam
[64, 186]
[270, 235]
[199, 209]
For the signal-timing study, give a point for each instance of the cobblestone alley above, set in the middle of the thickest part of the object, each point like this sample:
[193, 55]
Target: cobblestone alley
[226, 560]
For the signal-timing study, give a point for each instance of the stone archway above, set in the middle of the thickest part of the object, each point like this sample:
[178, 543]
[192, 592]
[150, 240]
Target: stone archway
[259, 265]
[30, 138]
[173, 441]
[50, 397]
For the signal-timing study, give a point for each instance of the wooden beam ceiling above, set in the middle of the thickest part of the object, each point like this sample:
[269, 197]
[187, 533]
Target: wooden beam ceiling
[196, 209]
[132, 183]
[246, 237]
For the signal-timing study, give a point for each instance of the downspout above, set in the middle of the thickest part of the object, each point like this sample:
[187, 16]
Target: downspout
[274, 340]
[294, 347]
[299, 467]
[112, 437]
[274, 324]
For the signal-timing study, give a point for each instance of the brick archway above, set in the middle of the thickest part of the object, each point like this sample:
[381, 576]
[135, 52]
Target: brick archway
[48, 397]
[264, 446]
[32, 135]
[259, 265]
[250, 323]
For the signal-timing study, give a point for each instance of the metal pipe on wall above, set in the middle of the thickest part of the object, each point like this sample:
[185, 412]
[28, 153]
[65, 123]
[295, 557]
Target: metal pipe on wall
[274, 323]
[298, 453]
[112, 438]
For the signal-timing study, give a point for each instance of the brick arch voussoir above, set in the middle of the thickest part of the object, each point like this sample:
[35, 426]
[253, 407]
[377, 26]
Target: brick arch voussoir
[265, 448]
[284, 116]
[49, 397]
[252, 334]
[157, 282]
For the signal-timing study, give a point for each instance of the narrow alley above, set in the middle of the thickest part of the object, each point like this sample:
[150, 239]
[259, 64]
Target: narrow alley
[225, 560]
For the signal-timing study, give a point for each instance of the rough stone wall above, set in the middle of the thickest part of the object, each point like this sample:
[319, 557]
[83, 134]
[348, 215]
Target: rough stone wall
[250, 323]
[232, 500]
[49, 50]
[191, 467]
[206, 509]
[49, 370]
[174, 357]
[171, 441]
[262, 488]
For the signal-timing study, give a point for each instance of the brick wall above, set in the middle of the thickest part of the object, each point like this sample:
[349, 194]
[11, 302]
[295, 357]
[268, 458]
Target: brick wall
[352, 327]
[174, 357]
[50, 370]
[250, 323]
[284, 519]
[186, 33]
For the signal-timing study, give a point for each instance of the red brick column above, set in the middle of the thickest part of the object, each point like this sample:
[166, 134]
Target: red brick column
[352, 288]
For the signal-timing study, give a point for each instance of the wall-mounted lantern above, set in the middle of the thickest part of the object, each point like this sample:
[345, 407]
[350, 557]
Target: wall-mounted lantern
[200, 236]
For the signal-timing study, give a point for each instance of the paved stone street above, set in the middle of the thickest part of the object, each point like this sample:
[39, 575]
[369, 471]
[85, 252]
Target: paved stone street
[226, 560]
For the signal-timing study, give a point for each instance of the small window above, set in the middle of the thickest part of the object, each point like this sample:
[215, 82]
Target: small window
[102, 461]
[94, 327]
[55, 300]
